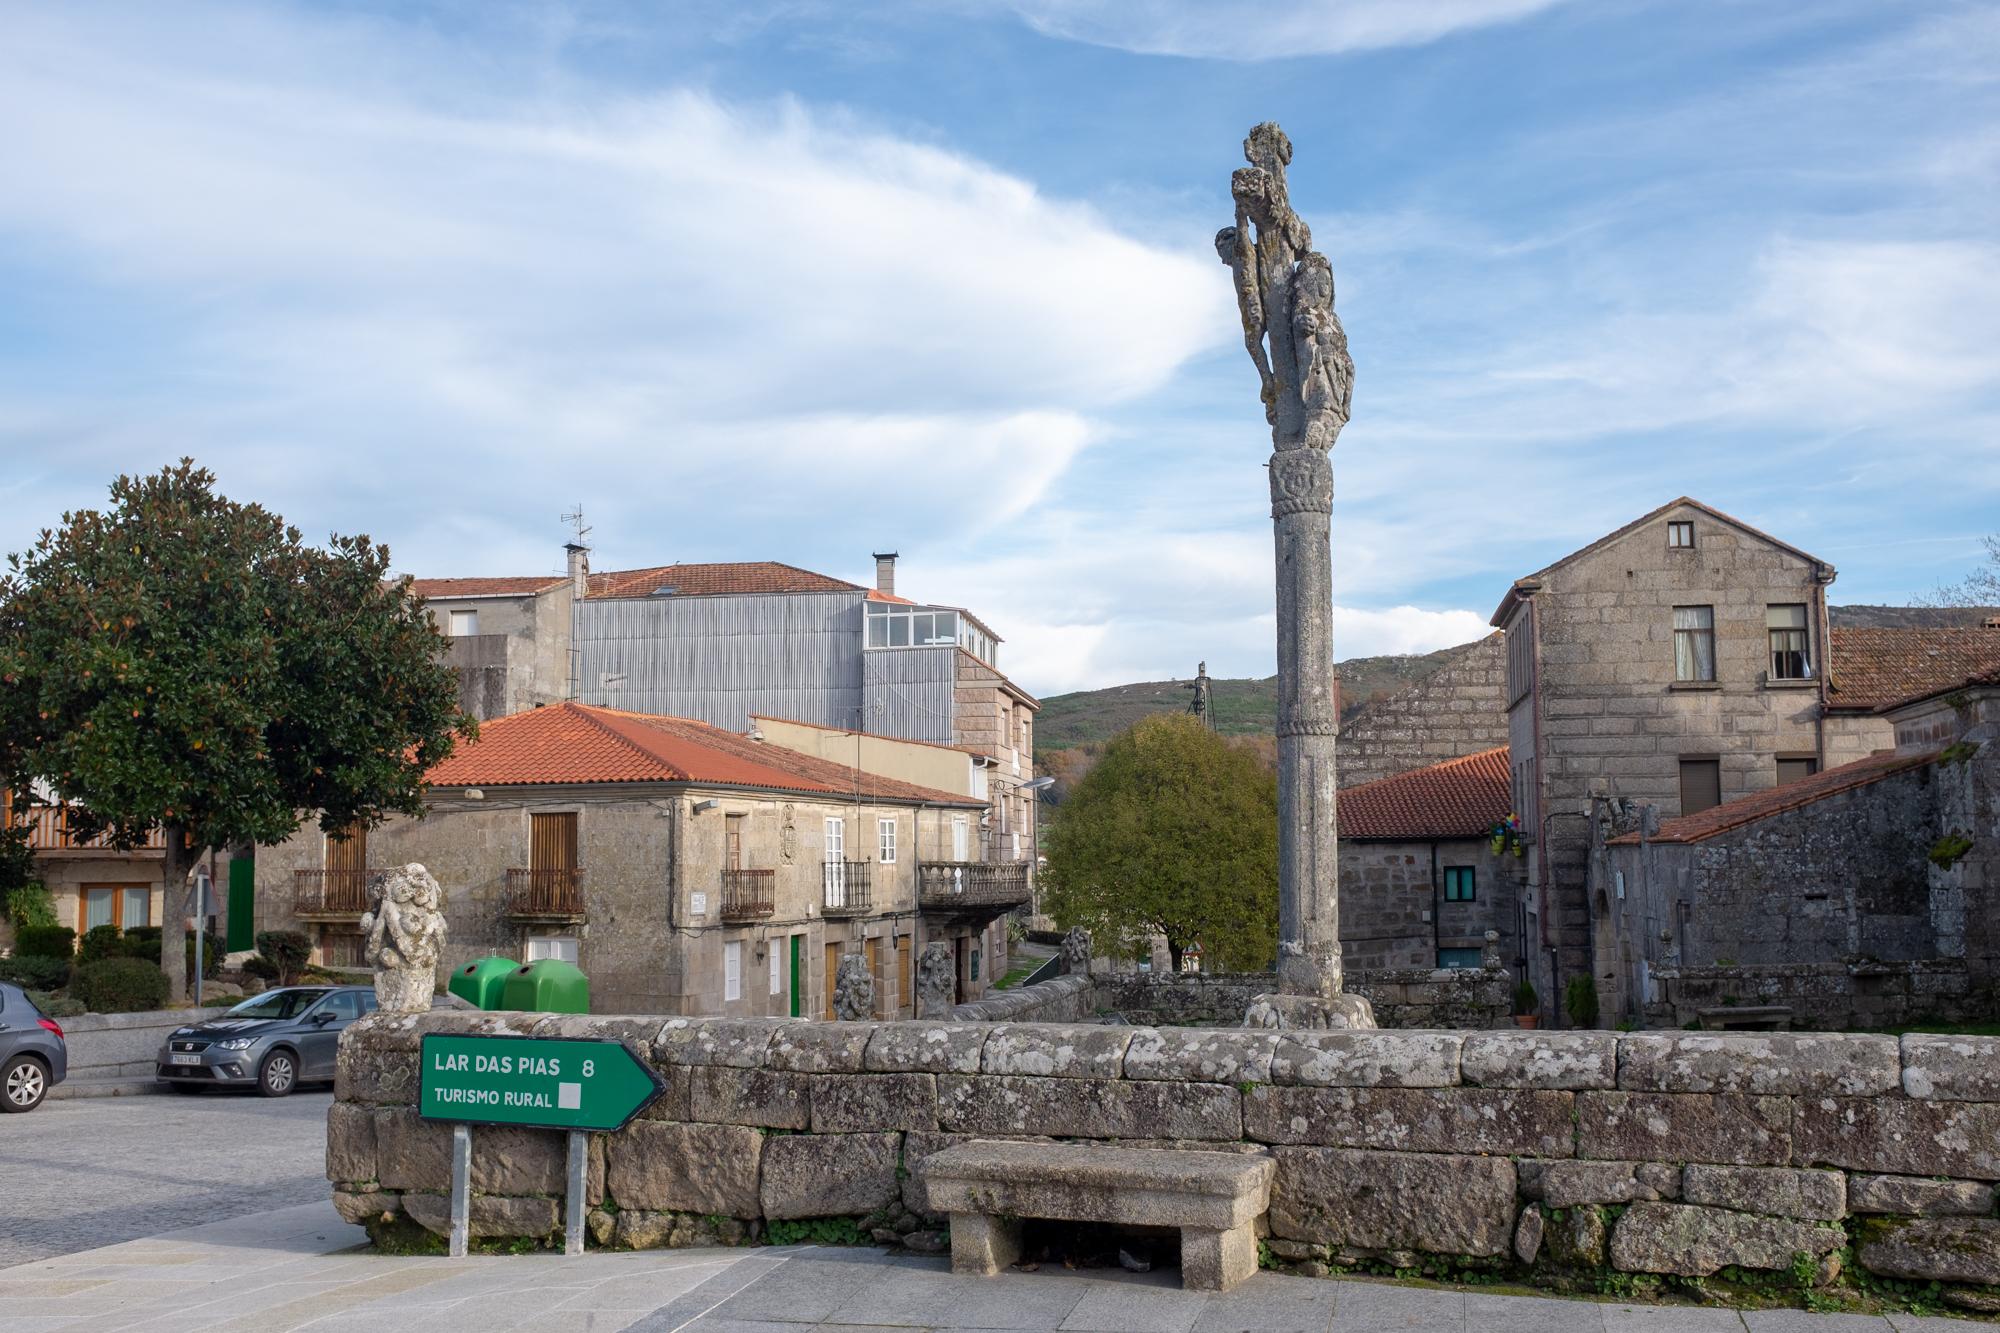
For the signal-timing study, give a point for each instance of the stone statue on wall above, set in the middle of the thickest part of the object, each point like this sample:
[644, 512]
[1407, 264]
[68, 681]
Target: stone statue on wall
[405, 930]
[1284, 293]
[937, 981]
[1076, 952]
[853, 989]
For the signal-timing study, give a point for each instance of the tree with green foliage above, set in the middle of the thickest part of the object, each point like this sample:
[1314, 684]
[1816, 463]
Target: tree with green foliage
[181, 662]
[1173, 832]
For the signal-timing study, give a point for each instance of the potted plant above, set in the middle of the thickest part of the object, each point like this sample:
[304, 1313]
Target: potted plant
[1526, 1002]
[1580, 1001]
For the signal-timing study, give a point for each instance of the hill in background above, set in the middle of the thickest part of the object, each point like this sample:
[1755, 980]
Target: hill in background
[1909, 617]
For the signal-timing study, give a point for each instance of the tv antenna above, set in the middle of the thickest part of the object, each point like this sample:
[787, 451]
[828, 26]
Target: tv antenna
[575, 519]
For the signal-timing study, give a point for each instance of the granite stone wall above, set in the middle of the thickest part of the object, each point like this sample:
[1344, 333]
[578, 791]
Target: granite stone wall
[1402, 997]
[1542, 1154]
[1458, 710]
[1827, 995]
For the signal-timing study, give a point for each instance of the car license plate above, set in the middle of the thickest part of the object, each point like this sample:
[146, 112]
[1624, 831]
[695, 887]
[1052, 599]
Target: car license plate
[180, 1058]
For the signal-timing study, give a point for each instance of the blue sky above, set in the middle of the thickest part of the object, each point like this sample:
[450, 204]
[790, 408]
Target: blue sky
[802, 281]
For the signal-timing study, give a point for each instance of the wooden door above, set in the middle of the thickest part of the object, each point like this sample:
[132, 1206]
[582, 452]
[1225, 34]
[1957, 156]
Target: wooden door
[872, 951]
[734, 835]
[552, 862]
[905, 994]
[347, 869]
[832, 970]
[798, 972]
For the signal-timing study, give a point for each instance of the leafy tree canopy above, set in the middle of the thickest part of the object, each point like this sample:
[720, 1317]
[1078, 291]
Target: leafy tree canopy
[1174, 831]
[183, 662]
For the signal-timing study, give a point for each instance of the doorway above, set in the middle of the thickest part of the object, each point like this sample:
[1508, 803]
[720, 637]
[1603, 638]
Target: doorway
[798, 963]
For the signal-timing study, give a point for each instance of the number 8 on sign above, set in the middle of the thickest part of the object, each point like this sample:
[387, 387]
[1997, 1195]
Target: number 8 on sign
[589, 1068]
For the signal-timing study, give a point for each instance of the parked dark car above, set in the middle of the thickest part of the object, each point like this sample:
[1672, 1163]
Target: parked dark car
[33, 1057]
[272, 1042]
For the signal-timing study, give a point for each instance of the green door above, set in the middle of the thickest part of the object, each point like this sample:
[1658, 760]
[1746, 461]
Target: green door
[242, 905]
[795, 974]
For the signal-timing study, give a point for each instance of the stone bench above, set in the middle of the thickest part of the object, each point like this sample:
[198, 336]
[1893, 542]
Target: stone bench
[987, 1187]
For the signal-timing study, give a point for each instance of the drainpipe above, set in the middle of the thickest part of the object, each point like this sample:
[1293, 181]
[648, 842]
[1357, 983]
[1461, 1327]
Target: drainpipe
[1437, 905]
[1823, 631]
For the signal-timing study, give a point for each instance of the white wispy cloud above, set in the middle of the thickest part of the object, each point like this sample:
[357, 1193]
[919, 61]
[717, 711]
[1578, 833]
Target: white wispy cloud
[1259, 30]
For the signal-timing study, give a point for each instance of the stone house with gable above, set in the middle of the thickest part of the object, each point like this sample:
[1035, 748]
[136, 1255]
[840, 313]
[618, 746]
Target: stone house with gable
[1420, 883]
[686, 869]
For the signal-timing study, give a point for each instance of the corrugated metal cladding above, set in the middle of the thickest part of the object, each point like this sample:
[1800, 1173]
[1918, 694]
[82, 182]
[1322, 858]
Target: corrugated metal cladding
[720, 659]
[910, 692]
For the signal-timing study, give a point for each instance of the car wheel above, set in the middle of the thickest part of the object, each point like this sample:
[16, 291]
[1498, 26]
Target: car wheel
[23, 1084]
[278, 1075]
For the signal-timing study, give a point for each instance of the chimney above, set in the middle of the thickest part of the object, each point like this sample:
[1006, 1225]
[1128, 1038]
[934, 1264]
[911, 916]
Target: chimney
[579, 568]
[885, 572]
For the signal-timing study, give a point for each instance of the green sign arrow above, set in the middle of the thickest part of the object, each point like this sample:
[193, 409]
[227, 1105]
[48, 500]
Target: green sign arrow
[547, 1083]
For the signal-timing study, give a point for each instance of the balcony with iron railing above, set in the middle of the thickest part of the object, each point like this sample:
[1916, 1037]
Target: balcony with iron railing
[846, 888]
[331, 895]
[749, 895]
[970, 886]
[51, 828]
[545, 894]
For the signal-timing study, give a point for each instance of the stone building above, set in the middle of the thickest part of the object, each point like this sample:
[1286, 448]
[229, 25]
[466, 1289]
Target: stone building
[1420, 882]
[1865, 895]
[1875, 668]
[1458, 710]
[721, 643]
[686, 869]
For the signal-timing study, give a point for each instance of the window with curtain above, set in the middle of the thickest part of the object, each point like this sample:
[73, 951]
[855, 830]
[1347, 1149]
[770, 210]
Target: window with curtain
[1790, 659]
[1694, 643]
[136, 909]
[100, 907]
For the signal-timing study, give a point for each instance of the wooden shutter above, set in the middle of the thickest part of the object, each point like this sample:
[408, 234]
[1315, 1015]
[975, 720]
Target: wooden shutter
[872, 949]
[348, 850]
[905, 995]
[552, 842]
[1701, 785]
[832, 970]
[734, 826]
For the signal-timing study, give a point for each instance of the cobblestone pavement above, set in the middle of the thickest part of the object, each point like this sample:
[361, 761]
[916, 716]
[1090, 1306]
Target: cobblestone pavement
[78, 1174]
[300, 1268]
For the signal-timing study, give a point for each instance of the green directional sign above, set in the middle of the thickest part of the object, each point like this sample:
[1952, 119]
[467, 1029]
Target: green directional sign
[547, 1083]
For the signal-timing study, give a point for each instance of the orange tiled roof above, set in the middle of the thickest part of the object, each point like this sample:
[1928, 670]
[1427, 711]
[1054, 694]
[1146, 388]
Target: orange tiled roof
[745, 576]
[1777, 800]
[495, 587]
[578, 743]
[1874, 668]
[1459, 798]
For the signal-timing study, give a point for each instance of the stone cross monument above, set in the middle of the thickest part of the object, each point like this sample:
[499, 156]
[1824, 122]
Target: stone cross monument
[1284, 289]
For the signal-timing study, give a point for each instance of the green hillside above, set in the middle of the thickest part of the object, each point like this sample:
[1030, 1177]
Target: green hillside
[1242, 707]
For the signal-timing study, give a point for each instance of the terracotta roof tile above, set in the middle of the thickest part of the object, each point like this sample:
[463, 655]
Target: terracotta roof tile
[489, 587]
[1874, 668]
[747, 576]
[1459, 798]
[1777, 800]
[578, 743]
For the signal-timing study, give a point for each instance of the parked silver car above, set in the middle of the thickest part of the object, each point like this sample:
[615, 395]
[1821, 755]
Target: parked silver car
[273, 1042]
[33, 1057]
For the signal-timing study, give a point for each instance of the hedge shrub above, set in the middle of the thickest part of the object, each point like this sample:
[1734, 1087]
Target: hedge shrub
[99, 943]
[34, 972]
[144, 942]
[119, 985]
[45, 941]
[287, 950]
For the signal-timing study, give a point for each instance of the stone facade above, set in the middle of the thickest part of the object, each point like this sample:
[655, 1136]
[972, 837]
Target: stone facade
[1393, 910]
[1458, 710]
[1401, 997]
[652, 934]
[1551, 1156]
[509, 640]
[1597, 708]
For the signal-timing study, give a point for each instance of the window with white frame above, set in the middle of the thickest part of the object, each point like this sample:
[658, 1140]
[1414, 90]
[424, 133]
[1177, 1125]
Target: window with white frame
[732, 970]
[464, 623]
[777, 971]
[562, 947]
[1791, 658]
[961, 838]
[885, 841]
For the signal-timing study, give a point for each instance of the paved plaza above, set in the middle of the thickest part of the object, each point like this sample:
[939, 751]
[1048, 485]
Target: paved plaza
[302, 1268]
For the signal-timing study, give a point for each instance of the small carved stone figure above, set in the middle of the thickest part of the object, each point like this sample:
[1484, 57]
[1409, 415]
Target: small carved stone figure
[1489, 952]
[853, 989]
[937, 981]
[405, 933]
[1076, 952]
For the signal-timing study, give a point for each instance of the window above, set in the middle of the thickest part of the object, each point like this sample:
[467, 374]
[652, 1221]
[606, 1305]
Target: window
[1790, 659]
[560, 947]
[1701, 784]
[885, 841]
[1791, 770]
[120, 905]
[1458, 884]
[464, 623]
[900, 625]
[1694, 643]
[1458, 959]
[732, 970]
[1520, 659]
[960, 838]
[777, 970]
[1680, 535]
[732, 826]
[344, 1005]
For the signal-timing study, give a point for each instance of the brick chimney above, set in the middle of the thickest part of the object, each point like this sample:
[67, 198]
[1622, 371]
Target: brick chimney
[885, 572]
[579, 568]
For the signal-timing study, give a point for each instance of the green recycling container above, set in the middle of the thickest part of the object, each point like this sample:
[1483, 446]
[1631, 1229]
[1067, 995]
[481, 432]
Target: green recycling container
[480, 981]
[548, 986]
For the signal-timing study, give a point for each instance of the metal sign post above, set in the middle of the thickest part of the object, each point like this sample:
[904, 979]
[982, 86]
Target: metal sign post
[573, 1084]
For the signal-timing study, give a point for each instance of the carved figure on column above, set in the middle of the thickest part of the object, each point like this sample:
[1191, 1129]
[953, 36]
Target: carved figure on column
[853, 989]
[937, 981]
[1285, 295]
[404, 931]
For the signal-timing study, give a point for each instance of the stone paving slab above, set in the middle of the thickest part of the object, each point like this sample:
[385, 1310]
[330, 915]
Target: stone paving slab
[300, 1268]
